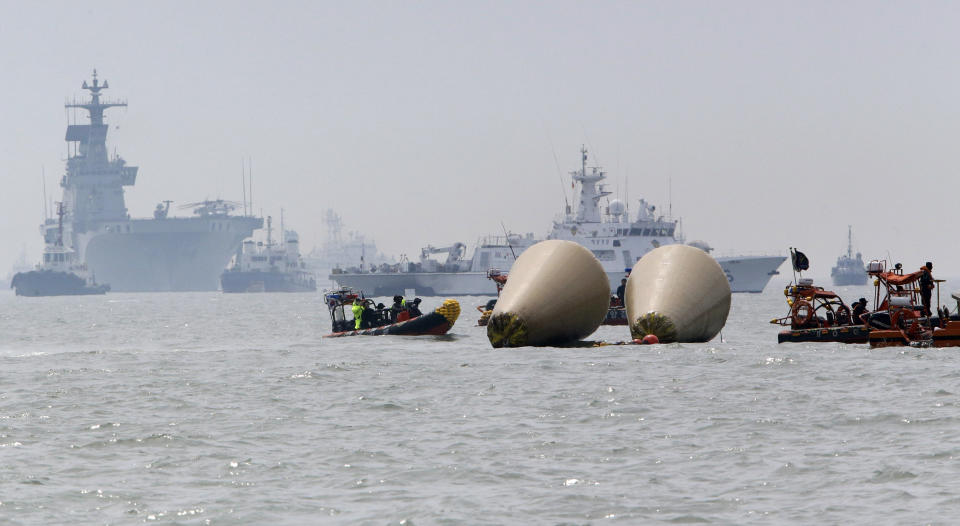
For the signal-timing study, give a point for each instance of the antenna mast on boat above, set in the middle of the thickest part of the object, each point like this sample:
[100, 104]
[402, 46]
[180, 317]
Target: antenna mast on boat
[243, 183]
[670, 196]
[43, 180]
[849, 242]
[269, 230]
[250, 182]
[563, 187]
[506, 237]
[60, 212]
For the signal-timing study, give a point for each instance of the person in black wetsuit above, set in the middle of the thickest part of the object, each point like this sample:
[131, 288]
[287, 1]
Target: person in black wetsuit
[859, 308]
[414, 308]
[926, 287]
[622, 290]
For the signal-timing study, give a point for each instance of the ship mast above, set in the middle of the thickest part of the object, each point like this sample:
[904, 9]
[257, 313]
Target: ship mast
[269, 230]
[60, 212]
[94, 144]
[849, 242]
[589, 210]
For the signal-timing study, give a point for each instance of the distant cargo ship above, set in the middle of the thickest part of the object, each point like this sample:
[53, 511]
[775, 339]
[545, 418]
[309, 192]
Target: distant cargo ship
[159, 254]
[615, 239]
[850, 269]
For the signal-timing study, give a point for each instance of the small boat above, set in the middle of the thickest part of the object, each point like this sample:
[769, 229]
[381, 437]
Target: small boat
[817, 315]
[616, 315]
[378, 321]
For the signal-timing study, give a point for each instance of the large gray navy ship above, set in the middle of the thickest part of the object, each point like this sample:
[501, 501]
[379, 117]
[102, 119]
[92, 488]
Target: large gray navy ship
[162, 253]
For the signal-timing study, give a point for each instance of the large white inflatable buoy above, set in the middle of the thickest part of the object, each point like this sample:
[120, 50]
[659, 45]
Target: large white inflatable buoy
[557, 292]
[678, 293]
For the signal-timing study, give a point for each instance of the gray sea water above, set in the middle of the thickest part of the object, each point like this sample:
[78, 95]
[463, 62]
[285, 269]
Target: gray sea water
[232, 409]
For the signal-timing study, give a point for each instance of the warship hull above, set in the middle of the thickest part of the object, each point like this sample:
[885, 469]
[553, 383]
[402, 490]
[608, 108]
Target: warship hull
[164, 255]
[848, 276]
[255, 281]
[52, 283]
[745, 274]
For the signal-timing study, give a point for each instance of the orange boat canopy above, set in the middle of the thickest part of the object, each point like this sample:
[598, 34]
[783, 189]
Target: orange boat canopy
[900, 279]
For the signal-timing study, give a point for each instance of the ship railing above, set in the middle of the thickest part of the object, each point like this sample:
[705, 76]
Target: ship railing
[728, 253]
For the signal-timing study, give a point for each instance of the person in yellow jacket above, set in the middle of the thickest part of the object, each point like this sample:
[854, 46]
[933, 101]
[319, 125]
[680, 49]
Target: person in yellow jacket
[357, 313]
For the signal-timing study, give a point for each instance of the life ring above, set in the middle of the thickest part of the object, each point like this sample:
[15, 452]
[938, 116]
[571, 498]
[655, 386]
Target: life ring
[802, 313]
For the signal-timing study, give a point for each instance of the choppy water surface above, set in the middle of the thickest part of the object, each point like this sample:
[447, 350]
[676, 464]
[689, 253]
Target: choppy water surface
[231, 409]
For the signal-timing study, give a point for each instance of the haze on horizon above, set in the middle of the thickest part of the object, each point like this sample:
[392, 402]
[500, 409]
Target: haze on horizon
[764, 124]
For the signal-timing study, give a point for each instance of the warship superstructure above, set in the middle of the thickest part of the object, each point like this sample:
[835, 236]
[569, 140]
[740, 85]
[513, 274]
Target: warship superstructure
[850, 269]
[608, 232]
[162, 253]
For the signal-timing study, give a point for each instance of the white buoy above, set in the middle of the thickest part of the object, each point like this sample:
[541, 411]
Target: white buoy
[678, 293]
[557, 293]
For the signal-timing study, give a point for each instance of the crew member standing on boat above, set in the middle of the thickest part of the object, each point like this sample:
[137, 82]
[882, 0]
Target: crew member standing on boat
[926, 286]
[357, 313]
[622, 290]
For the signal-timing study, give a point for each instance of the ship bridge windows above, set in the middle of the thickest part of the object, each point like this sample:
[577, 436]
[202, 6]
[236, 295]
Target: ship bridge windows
[655, 231]
[604, 255]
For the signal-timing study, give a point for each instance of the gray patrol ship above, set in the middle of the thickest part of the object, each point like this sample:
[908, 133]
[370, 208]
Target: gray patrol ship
[850, 269]
[146, 255]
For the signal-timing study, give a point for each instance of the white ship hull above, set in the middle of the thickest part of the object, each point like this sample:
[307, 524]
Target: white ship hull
[164, 255]
[746, 274]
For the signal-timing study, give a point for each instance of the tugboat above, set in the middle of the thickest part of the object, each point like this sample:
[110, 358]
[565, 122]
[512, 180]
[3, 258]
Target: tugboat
[61, 273]
[378, 321]
[270, 267]
[849, 269]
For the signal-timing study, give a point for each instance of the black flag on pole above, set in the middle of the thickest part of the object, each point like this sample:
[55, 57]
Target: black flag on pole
[799, 260]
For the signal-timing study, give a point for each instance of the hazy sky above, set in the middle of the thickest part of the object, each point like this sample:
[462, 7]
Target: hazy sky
[775, 123]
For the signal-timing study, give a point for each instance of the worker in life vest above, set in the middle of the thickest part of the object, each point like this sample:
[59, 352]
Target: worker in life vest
[396, 308]
[357, 313]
